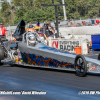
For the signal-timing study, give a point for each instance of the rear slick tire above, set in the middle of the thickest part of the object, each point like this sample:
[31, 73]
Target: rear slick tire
[1, 55]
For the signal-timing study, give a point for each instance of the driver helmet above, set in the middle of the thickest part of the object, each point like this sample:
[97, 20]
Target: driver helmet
[32, 39]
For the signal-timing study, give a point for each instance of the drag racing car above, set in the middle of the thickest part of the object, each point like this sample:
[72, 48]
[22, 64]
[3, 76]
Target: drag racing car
[30, 50]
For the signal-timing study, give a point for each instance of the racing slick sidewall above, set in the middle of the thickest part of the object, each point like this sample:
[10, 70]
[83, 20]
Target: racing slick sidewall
[1, 54]
[85, 65]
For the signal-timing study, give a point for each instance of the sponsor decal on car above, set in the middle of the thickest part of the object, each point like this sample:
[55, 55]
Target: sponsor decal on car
[93, 67]
[98, 68]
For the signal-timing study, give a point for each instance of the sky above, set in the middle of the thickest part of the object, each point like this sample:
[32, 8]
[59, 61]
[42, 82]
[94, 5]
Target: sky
[8, 0]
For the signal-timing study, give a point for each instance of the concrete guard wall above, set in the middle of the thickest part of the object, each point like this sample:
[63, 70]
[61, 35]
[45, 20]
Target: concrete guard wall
[84, 30]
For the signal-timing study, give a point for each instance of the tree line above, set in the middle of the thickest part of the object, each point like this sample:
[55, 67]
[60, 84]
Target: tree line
[32, 10]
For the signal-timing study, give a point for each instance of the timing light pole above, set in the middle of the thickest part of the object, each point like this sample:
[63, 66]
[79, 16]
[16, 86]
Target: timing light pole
[56, 15]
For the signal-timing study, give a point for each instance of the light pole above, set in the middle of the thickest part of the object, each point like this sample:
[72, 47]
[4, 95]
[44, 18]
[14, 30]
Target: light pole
[56, 14]
[63, 2]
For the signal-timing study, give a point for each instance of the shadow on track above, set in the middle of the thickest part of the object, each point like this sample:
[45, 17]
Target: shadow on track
[49, 69]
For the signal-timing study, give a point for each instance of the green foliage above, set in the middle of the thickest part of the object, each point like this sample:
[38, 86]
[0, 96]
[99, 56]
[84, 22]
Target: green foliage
[32, 10]
[5, 11]
[19, 15]
[1, 20]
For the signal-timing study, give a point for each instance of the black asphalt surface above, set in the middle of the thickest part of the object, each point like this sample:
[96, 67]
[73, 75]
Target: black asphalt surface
[58, 85]
[93, 54]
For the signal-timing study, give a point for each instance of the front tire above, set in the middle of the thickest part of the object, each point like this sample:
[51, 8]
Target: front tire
[80, 65]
